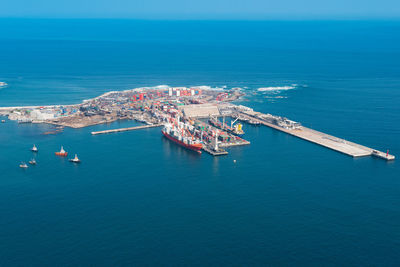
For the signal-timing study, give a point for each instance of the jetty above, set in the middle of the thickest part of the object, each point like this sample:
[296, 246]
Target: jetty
[326, 140]
[126, 129]
[213, 152]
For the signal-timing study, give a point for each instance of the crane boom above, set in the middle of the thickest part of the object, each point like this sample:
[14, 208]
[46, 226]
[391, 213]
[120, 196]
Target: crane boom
[234, 122]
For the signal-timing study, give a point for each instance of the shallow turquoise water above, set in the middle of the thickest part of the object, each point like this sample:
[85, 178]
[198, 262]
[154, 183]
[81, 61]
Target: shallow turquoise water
[139, 199]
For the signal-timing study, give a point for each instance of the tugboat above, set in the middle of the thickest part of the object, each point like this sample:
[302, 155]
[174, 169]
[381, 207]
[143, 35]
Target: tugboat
[23, 165]
[62, 153]
[34, 149]
[75, 160]
[178, 136]
[32, 162]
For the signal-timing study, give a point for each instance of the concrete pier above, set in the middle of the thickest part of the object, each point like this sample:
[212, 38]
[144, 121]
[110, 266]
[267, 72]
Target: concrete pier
[221, 152]
[329, 141]
[127, 129]
[382, 155]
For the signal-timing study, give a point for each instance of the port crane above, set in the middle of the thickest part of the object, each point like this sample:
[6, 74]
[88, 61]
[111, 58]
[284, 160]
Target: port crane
[233, 122]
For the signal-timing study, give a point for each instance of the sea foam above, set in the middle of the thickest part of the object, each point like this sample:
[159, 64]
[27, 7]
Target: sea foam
[276, 88]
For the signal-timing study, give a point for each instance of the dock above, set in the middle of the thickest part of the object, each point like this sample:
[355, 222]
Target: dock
[328, 141]
[220, 152]
[126, 129]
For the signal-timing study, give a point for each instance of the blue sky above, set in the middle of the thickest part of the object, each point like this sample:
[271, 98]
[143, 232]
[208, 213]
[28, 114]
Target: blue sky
[201, 9]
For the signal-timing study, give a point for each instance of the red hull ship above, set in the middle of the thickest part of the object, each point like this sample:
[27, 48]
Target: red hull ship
[62, 153]
[187, 143]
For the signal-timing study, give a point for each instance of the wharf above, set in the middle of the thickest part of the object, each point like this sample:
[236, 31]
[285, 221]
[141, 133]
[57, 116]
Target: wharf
[328, 141]
[221, 152]
[126, 129]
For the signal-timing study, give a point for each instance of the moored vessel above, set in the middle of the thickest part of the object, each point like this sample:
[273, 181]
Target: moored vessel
[32, 162]
[254, 122]
[24, 120]
[178, 136]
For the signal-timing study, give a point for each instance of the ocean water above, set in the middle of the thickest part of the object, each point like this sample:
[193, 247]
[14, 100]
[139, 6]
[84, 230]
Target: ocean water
[138, 199]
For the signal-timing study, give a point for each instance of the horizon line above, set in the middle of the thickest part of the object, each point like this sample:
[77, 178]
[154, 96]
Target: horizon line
[216, 18]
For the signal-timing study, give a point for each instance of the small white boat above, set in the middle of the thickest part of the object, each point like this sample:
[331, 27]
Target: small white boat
[75, 160]
[32, 162]
[3, 121]
[34, 149]
[23, 165]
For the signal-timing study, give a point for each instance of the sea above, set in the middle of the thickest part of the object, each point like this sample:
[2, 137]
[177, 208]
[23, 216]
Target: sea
[139, 200]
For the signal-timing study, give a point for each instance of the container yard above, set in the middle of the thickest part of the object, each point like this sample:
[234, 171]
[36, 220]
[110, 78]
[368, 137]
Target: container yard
[195, 118]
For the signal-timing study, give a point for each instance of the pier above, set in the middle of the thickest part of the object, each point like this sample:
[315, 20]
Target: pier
[211, 151]
[328, 141]
[126, 129]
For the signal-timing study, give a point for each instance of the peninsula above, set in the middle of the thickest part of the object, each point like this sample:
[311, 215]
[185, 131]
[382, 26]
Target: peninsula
[182, 110]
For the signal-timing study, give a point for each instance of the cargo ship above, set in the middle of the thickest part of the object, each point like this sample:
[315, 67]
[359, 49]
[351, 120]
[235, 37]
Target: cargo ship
[178, 136]
[236, 130]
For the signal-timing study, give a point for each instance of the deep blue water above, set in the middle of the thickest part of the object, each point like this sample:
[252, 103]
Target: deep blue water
[138, 199]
